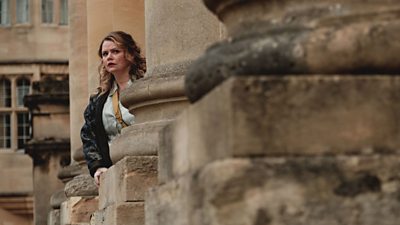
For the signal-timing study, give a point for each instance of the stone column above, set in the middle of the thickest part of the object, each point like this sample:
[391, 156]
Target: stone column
[175, 36]
[294, 119]
[104, 16]
[77, 200]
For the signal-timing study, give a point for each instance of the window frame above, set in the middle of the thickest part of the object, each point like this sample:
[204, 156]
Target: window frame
[18, 88]
[47, 11]
[7, 133]
[25, 11]
[63, 13]
[5, 97]
[5, 7]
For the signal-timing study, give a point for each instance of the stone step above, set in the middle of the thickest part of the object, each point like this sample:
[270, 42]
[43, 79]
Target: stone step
[283, 116]
[128, 213]
[128, 180]
[282, 190]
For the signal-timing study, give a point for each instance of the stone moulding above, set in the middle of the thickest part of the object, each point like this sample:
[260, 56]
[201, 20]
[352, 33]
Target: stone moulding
[162, 84]
[344, 40]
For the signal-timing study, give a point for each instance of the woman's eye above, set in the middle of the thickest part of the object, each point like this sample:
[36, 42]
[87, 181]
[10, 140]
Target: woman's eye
[104, 54]
[115, 51]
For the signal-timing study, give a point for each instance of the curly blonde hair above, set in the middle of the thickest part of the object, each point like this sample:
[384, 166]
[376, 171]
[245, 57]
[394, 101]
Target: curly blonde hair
[132, 54]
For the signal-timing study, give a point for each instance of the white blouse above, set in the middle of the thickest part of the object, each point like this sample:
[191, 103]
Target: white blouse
[111, 125]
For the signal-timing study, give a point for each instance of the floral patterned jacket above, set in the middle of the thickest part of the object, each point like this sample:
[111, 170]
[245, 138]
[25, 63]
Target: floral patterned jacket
[93, 135]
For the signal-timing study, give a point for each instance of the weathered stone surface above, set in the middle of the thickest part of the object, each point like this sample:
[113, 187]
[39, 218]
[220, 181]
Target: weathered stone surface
[131, 213]
[128, 180]
[187, 28]
[82, 185]
[297, 37]
[303, 190]
[67, 173]
[333, 190]
[57, 198]
[177, 202]
[54, 217]
[294, 115]
[78, 210]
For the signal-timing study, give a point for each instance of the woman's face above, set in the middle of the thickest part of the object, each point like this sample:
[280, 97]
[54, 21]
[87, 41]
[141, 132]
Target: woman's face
[113, 58]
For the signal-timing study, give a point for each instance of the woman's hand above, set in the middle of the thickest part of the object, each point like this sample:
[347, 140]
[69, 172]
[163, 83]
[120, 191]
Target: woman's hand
[96, 176]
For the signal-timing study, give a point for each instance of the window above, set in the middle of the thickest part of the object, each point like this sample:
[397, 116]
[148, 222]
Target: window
[63, 12]
[15, 129]
[5, 93]
[23, 86]
[5, 131]
[47, 11]
[24, 131]
[4, 13]
[22, 11]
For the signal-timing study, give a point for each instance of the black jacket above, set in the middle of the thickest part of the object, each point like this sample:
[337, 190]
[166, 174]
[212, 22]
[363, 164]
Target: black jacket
[93, 135]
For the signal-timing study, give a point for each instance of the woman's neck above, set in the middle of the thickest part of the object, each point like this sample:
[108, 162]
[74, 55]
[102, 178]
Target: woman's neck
[122, 81]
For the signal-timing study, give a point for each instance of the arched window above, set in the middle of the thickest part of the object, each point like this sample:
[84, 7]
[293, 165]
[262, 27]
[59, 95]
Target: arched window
[5, 93]
[23, 86]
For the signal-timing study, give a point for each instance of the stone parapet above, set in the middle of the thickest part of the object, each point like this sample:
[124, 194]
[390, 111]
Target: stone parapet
[128, 180]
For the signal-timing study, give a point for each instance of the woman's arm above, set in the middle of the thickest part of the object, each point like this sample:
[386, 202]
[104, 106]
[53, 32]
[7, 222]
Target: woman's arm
[93, 156]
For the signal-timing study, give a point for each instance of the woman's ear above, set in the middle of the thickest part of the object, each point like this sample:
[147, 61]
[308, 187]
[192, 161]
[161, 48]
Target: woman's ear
[130, 58]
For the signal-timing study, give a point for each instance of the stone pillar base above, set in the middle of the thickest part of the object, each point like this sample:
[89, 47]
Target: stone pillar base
[283, 150]
[284, 116]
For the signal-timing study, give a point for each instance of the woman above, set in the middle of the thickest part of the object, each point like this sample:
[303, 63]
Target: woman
[121, 64]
